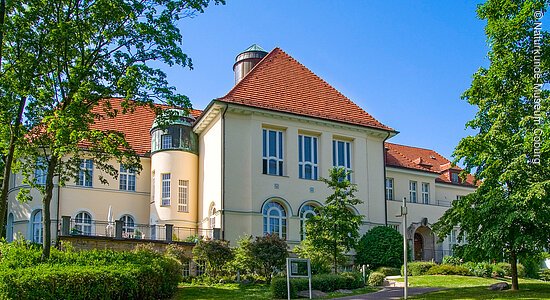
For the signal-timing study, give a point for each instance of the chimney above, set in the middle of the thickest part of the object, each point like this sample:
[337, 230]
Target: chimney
[246, 60]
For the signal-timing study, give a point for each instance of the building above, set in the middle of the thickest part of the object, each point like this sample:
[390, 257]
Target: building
[249, 163]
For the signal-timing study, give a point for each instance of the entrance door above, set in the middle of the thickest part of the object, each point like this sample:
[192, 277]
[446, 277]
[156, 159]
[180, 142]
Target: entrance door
[418, 247]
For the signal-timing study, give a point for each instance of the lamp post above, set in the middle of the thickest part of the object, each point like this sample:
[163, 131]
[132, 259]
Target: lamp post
[404, 215]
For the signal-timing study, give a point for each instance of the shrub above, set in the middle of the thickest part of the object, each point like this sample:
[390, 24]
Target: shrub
[270, 252]
[479, 269]
[544, 275]
[448, 270]
[451, 260]
[323, 282]
[376, 279]
[321, 262]
[507, 269]
[388, 271]
[497, 271]
[215, 253]
[380, 246]
[418, 268]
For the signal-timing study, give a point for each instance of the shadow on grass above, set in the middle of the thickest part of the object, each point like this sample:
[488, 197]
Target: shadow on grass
[226, 291]
[528, 291]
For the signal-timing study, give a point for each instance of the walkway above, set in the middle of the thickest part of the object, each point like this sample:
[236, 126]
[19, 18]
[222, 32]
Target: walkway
[390, 293]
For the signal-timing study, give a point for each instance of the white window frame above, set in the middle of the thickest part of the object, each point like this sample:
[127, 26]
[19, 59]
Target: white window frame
[127, 179]
[453, 238]
[86, 173]
[212, 217]
[183, 196]
[303, 162]
[425, 193]
[454, 176]
[281, 219]
[306, 211]
[413, 187]
[37, 230]
[128, 225]
[165, 189]
[277, 157]
[40, 173]
[166, 141]
[83, 223]
[348, 153]
[389, 188]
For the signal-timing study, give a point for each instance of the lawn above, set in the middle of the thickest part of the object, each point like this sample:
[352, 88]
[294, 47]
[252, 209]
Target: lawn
[236, 291]
[468, 287]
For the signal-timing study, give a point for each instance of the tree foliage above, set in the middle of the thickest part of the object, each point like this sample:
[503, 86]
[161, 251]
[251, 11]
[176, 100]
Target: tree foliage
[66, 58]
[334, 230]
[380, 247]
[321, 262]
[509, 213]
[215, 253]
[270, 252]
[244, 261]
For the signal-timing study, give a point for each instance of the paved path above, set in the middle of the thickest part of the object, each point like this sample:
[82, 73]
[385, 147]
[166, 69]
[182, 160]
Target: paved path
[390, 293]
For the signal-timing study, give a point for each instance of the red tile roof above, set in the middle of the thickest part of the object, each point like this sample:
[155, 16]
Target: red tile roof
[280, 83]
[134, 125]
[426, 160]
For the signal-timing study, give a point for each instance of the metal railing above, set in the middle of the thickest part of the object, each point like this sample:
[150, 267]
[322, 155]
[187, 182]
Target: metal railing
[120, 230]
[444, 203]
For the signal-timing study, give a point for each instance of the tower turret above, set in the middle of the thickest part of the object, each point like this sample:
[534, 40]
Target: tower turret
[246, 60]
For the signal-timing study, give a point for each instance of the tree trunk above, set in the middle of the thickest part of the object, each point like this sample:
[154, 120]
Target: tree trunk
[46, 201]
[514, 267]
[7, 167]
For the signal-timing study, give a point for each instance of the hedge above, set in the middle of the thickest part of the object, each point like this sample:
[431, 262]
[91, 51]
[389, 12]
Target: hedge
[448, 270]
[507, 268]
[376, 279]
[388, 271]
[322, 282]
[91, 274]
[418, 268]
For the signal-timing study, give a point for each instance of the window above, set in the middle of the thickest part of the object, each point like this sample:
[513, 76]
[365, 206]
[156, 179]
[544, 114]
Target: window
[389, 188]
[86, 173]
[9, 229]
[40, 171]
[412, 191]
[425, 193]
[274, 219]
[165, 141]
[453, 238]
[454, 177]
[458, 197]
[341, 155]
[183, 196]
[37, 226]
[307, 157]
[272, 152]
[394, 226]
[83, 223]
[128, 225]
[212, 217]
[127, 179]
[186, 269]
[307, 211]
[166, 189]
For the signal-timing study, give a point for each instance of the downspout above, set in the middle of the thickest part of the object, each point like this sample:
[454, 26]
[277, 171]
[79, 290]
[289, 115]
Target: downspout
[222, 216]
[384, 181]
[57, 217]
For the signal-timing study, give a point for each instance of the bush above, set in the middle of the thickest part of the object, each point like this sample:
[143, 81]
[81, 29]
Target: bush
[270, 252]
[448, 270]
[544, 275]
[507, 269]
[86, 274]
[380, 246]
[376, 279]
[479, 269]
[497, 271]
[215, 253]
[324, 282]
[388, 271]
[418, 268]
[452, 260]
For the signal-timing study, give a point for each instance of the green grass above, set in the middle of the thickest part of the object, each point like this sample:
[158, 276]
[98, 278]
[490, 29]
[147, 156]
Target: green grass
[236, 291]
[468, 287]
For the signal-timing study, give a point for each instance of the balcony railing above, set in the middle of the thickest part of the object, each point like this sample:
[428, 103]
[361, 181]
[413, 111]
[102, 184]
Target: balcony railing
[444, 203]
[120, 230]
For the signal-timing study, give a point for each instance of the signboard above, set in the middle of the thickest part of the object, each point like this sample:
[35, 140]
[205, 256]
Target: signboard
[297, 268]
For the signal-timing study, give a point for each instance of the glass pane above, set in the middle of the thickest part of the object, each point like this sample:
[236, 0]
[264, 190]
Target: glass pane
[307, 148]
[341, 161]
[300, 148]
[334, 153]
[348, 155]
[280, 145]
[308, 171]
[272, 167]
[264, 143]
[272, 143]
[315, 150]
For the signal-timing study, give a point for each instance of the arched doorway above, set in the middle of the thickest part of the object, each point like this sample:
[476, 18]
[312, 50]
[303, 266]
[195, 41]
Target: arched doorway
[418, 246]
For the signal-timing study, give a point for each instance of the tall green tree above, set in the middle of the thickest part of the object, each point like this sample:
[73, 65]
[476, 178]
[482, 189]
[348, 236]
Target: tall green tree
[335, 229]
[509, 213]
[91, 51]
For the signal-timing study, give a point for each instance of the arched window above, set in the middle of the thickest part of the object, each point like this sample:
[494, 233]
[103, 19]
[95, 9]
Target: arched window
[9, 230]
[212, 217]
[37, 226]
[83, 223]
[128, 225]
[307, 211]
[274, 219]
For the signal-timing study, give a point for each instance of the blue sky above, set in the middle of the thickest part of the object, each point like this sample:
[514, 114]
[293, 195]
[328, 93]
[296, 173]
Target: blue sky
[404, 62]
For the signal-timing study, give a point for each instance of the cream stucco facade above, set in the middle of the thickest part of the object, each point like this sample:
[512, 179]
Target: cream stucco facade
[217, 173]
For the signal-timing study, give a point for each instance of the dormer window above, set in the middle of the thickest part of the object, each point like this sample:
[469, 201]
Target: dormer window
[454, 177]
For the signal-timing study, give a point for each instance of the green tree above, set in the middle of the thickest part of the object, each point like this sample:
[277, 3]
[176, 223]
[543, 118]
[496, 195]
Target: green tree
[321, 262]
[270, 253]
[215, 253]
[381, 246]
[335, 229]
[509, 213]
[89, 51]
[244, 261]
